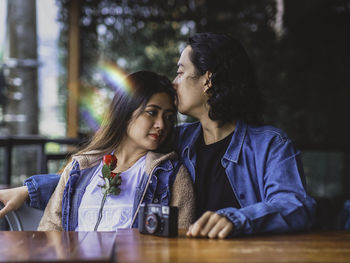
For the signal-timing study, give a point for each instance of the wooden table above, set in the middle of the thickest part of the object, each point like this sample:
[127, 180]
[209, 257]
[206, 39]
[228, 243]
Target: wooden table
[35, 246]
[297, 247]
[131, 246]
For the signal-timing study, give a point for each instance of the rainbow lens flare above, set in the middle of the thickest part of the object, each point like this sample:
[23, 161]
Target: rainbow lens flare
[93, 103]
[115, 77]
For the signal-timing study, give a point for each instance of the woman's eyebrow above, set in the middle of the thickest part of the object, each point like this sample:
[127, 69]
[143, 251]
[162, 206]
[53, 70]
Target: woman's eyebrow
[154, 105]
[158, 107]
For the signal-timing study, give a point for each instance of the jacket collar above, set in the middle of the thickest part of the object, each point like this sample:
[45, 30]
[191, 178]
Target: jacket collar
[233, 150]
[191, 145]
[235, 147]
[153, 159]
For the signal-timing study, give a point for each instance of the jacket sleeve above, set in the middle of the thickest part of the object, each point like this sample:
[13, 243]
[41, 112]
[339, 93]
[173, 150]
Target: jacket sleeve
[40, 188]
[52, 217]
[182, 196]
[285, 205]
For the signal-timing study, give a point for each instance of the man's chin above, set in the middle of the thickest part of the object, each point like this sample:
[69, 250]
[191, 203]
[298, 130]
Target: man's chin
[181, 110]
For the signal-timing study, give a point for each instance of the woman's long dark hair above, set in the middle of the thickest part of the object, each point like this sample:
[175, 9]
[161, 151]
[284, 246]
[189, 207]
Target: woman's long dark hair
[143, 85]
[234, 94]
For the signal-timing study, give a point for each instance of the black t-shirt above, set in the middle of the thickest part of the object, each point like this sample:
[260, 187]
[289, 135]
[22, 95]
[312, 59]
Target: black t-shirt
[212, 187]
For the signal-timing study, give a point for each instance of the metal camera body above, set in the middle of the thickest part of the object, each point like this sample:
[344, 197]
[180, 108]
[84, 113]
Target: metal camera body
[159, 220]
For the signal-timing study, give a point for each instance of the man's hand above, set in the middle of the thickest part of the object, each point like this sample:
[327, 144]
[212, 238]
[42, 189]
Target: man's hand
[211, 225]
[13, 199]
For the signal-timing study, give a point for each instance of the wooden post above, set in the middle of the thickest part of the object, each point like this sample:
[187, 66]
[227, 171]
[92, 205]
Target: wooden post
[73, 70]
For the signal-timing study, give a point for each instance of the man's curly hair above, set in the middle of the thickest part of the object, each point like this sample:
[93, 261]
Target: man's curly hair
[234, 94]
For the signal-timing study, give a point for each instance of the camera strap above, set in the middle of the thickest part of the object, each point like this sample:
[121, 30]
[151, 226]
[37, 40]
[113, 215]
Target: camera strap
[143, 196]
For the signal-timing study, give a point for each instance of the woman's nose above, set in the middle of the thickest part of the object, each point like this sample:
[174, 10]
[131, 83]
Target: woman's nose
[159, 123]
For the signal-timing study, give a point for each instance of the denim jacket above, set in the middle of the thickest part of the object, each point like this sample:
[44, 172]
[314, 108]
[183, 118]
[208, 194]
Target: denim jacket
[156, 186]
[266, 176]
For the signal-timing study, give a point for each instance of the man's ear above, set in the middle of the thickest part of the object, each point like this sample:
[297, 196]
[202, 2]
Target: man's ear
[207, 84]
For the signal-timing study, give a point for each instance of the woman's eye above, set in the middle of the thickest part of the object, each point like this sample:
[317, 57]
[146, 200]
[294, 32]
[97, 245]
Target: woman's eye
[151, 112]
[170, 118]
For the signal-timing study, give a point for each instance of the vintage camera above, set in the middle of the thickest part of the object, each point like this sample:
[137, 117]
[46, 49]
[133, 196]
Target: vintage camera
[159, 220]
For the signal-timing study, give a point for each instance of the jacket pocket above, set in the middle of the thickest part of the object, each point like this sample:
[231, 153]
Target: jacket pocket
[162, 196]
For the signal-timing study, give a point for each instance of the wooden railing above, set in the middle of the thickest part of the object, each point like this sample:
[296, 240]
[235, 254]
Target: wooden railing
[9, 142]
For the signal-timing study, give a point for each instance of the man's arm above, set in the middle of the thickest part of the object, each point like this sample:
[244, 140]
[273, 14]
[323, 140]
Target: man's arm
[285, 205]
[40, 188]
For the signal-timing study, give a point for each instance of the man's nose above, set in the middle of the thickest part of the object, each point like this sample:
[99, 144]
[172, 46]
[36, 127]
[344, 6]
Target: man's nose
[175, 83]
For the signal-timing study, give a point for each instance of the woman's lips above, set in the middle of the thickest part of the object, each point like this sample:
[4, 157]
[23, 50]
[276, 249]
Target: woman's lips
[155, 136]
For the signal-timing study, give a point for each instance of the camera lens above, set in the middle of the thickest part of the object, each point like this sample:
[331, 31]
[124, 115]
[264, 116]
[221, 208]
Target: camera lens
[151, 223]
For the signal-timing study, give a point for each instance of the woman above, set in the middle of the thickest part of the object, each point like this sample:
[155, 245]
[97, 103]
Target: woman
[248, 177]
[139, 132]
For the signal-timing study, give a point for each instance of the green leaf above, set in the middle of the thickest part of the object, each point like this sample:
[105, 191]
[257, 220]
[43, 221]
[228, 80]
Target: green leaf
[117, 191]
[115, 179]
[119, 181]
[112, 190]
[106, 171]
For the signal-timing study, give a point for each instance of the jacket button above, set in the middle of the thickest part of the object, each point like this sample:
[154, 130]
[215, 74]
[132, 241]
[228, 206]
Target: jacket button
[241, 196]
[155, 200]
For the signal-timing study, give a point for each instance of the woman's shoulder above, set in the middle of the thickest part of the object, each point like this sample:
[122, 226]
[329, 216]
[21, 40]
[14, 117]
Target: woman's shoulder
[166, 160]
[87, 160]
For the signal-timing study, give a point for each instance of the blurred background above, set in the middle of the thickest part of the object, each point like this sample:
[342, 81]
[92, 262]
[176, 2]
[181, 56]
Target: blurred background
[56, 54]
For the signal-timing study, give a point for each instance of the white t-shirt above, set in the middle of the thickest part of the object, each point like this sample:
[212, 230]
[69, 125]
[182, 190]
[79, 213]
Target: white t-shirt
[117, 210]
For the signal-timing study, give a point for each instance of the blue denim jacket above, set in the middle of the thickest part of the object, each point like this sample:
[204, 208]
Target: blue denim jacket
[41, 188]
[263, 168]
[266, 176]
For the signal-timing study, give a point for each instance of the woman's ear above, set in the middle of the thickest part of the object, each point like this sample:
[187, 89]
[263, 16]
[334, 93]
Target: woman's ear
[207, 84]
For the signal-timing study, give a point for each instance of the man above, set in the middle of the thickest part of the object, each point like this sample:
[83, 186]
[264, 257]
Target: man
[247, 177]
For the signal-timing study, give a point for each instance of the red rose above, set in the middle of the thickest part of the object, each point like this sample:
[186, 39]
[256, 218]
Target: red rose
[112, 183]
[110, 160]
